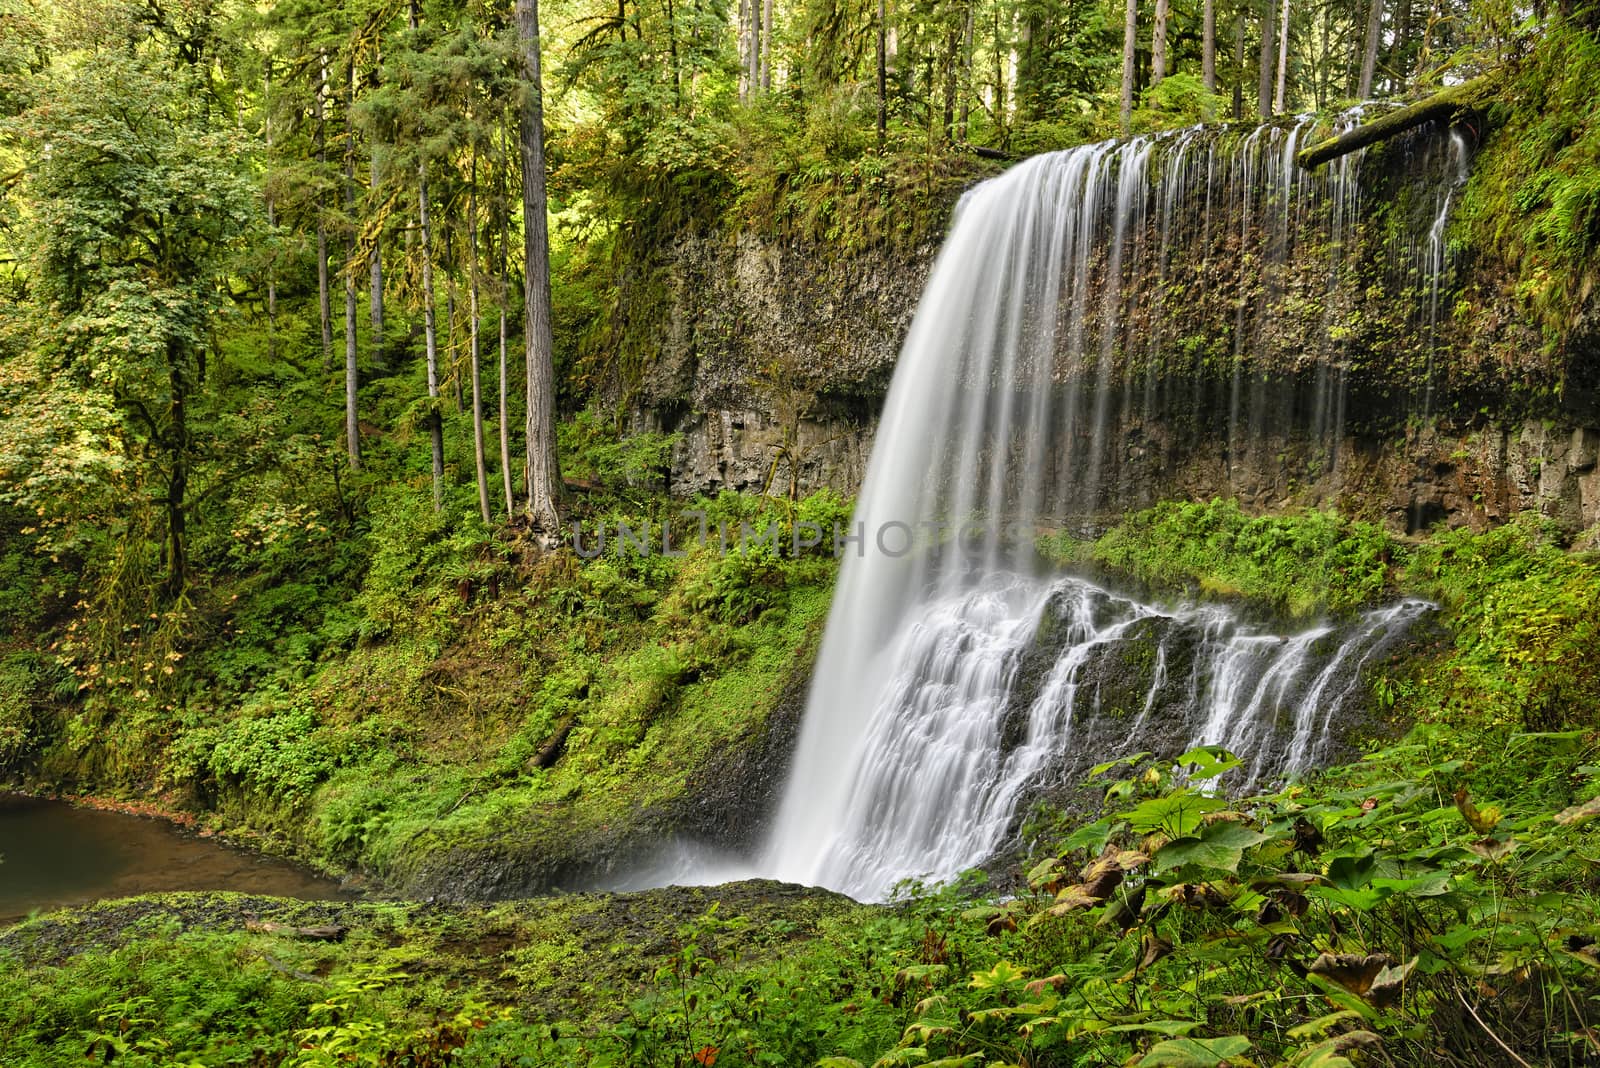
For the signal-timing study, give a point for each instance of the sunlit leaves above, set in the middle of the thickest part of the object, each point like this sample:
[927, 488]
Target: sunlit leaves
[1176, 815]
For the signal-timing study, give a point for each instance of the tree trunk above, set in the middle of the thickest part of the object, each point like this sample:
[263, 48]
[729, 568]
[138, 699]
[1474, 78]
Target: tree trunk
[1158, 45]
[1443, 106]
[479, 452]
[1238, 66]
[544, 473]
[999, 80]
[966, 71]
[505, 296]
[672, 56]
[352, 423]
[179, 445]
[319, 111]
[430, 332]
[1280, 99]
[375, 261]
[272, 223]
[430, 325]
[951, 73]
[1264, 82]
[1397, 51]
[1369, 57]
[1322, 69]
[883, 74]
[1208, 46]
[766, 46]
[753, 60]
[1130, 43]
[451, 348]
[744, 50]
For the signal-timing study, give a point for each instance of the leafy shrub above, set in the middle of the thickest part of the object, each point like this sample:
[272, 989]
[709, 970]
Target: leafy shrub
[22, 676]
[1180, 100]
[274, 748]
[598, 453]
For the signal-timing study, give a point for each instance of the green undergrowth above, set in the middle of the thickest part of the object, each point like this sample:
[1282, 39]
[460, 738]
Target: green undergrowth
[1400, 910]
[1435, 896]
[1299, 563]
[1390, 913]
[451, 688]
[224, 979]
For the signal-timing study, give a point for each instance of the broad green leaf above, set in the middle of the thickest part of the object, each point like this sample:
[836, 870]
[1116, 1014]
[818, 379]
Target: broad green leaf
[1101, 769]
[1178, 814]
[1430, 885]
[1322, 1024]
[1209, 761]
[1352, 871]
[1160, 1027]
[1003, 974]
[1194, 1052]
[1220, 846]
[1093, 836]
[1360, 900]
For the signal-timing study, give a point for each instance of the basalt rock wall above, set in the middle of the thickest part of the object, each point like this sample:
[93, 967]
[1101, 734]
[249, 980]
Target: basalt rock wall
[1280, 336]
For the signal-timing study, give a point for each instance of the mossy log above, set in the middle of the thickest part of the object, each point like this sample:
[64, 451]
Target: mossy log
[1443, 106]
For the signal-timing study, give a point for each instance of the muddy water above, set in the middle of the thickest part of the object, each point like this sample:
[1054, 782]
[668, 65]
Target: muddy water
[54, 855]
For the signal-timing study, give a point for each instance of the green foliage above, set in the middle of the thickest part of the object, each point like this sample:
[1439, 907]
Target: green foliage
[593, 452]
[1525, 626]
[1180, 100]
[23, 681]
[272, 749]
[137, 206]
[1358, 913]
[1534, 202]
[1300, 563]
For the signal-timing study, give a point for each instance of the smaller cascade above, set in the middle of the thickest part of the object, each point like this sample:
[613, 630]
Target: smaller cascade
[1011, 686]
[1435, 257]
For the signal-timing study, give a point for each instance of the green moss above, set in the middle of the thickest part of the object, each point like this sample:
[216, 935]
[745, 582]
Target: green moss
[1533, 203]
[1300, 564]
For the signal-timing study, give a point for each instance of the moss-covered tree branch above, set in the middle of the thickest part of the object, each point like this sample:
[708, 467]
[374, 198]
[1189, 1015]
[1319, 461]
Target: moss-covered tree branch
[1443, 106]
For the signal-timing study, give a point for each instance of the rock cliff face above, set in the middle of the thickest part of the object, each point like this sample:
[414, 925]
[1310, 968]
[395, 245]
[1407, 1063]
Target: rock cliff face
[773, 359]
[1399, 375]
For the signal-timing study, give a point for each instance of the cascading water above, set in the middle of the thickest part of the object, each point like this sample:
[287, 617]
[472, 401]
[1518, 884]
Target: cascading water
[952, 679]
[960, 733]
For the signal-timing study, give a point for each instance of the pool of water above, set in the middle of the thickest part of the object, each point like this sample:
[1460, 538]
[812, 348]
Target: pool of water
[53, 855]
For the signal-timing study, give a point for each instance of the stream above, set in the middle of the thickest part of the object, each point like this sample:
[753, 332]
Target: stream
[55, 855]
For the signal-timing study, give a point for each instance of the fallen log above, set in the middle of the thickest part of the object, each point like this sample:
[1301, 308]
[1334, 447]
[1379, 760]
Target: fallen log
[332, 932]
[552, 750]
[1443, 106]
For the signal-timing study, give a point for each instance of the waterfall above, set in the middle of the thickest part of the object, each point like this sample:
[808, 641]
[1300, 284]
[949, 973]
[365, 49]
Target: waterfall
[957, 735]
[953, 678]
[1435, 255]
